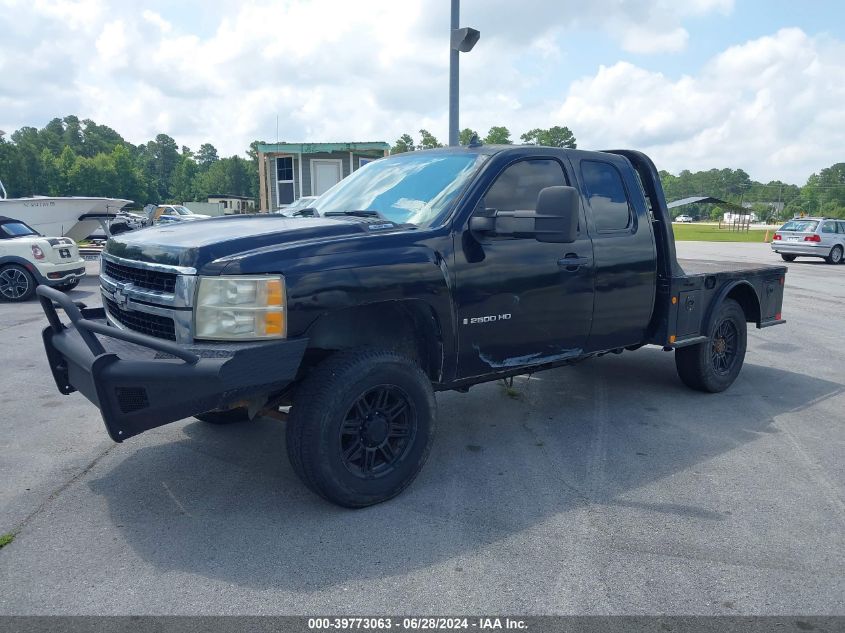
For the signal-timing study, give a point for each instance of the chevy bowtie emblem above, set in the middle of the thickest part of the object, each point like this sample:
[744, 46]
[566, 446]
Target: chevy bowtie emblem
[119, 298]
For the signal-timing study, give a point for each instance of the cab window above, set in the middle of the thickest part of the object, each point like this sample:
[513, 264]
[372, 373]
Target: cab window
[606, 195]
[519, 186]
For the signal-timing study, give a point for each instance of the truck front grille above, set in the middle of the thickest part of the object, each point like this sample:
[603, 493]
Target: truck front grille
[142, 277]
[152, 324]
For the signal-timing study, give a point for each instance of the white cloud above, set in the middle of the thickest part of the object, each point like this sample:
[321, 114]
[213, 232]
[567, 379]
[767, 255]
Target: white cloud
[772, 106]
[333, 70]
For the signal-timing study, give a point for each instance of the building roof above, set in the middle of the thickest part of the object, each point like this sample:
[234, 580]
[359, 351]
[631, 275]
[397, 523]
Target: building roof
[705, 200]
[229, 195]
[315, 148]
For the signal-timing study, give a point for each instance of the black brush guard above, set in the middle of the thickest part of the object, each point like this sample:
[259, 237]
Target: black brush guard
[140, 382]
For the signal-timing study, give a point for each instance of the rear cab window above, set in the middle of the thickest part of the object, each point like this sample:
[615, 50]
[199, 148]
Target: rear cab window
[607, 197]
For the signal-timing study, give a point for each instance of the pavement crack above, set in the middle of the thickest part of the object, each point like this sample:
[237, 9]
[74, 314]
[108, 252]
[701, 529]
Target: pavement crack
[58, 491]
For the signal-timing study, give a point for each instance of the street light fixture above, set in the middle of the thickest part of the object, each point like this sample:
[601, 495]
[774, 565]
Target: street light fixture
[461, 41]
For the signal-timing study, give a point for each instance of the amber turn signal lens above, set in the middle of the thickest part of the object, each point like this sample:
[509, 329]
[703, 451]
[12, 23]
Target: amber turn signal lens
[274, 292]
[274, 323]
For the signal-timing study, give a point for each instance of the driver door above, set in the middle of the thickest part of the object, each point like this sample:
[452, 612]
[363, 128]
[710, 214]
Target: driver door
[519, 302]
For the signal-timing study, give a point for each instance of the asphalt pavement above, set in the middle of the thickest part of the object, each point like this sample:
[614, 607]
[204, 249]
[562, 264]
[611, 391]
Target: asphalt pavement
[602, 488]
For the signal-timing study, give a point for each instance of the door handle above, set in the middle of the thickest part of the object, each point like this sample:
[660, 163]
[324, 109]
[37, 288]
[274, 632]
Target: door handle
[572, 262]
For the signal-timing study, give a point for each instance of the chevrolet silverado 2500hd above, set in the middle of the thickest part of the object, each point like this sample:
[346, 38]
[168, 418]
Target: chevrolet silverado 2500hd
[425, 271]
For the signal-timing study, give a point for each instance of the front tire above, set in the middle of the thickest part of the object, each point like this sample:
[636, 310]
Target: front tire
[16, 283]
[835, 256]
[713, 366]
[788, 258]
[361, 426]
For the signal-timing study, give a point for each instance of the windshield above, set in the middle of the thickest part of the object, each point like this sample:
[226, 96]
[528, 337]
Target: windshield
[802, 226]
[408, 188]
[182, 210]
[16, 229]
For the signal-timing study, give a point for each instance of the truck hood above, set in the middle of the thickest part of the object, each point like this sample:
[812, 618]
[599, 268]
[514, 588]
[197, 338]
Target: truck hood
[194, 244]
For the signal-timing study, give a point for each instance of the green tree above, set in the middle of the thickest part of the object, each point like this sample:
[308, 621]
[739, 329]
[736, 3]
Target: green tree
[498, 135]
[428, 141]
[556, 136]
[403, 144]
[207, 155]
[465, 136]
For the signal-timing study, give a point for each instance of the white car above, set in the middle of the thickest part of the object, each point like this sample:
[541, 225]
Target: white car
[165, 213]
[683, 218]
[28, 259]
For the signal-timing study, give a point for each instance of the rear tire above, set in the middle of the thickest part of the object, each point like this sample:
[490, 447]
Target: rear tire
[714, 365]
[227, 416]
[788, 258]
[835, 256]
[16, 283]
[361, 426]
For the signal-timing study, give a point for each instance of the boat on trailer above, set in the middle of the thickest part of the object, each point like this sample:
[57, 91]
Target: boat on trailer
[75, 217]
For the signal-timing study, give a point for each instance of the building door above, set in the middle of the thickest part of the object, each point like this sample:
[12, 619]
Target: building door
[325, 174]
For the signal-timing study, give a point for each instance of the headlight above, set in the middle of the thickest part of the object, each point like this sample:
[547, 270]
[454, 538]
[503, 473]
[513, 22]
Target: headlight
[240, 308]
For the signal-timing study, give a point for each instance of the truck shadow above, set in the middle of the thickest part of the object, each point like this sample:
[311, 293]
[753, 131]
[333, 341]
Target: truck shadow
[224, 503]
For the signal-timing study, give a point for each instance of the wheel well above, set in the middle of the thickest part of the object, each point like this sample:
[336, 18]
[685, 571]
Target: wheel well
[745, 296]
[409, 327]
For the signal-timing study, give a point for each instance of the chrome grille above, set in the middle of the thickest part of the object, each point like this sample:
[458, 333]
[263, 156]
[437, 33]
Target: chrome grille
[142, 277]
[144, 322]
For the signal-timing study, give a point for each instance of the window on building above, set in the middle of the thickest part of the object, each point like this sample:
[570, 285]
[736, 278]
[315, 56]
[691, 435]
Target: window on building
[284, 177]
[607, 196]
[363, 161]
[519, 186]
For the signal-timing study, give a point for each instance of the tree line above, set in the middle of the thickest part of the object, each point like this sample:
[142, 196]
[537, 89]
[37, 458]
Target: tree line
[556, 136]
[73, 157]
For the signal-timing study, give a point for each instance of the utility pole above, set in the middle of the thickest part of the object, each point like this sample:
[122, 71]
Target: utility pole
[460, 41]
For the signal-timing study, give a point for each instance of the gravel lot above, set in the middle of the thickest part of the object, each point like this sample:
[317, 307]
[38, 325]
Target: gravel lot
[604, 488]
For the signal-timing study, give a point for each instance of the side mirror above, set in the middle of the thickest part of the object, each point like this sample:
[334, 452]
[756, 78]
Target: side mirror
[554, 220]
[556, 217]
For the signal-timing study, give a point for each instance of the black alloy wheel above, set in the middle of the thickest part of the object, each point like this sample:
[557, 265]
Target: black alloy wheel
[723, 352]
[377, 431]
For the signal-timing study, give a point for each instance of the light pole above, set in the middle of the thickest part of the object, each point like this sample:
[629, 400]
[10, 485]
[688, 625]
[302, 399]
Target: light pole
[460, 41]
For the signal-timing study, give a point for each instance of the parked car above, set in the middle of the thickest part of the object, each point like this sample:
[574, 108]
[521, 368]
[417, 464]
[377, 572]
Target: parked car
[683, 218]
[171, 213]
[27, 260]
[811, 237]
[122, 223]
[300, 208]
[427, 271]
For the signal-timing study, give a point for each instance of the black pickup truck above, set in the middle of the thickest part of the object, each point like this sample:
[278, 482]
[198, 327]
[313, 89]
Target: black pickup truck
[420, 272]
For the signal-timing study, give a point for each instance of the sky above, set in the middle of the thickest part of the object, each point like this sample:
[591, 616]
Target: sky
[697, 84]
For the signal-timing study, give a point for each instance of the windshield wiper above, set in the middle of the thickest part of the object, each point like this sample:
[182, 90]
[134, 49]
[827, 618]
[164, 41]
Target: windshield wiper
[359, 214]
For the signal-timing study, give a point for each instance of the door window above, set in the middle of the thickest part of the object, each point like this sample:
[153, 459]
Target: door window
[841, 227]
[607, 196]
[518, 187]
[828, 227]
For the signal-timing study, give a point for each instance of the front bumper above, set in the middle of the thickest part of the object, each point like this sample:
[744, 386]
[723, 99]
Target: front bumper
[140, 382]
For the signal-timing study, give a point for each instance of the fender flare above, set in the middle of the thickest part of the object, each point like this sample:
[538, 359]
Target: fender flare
[755, 317]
